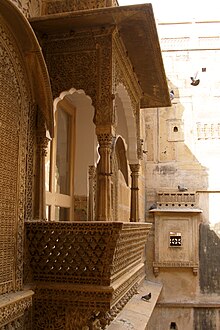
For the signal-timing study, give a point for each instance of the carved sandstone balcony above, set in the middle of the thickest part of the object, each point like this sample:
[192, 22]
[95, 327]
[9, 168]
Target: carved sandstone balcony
[88, 270]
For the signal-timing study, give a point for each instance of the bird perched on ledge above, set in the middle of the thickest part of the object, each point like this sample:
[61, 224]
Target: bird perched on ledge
[181, 188]
[147, 297]
[153, 206]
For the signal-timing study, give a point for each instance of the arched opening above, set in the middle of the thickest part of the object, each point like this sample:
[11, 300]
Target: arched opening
[126, 122]
[120, 182]
[175, 129]
[70, 154]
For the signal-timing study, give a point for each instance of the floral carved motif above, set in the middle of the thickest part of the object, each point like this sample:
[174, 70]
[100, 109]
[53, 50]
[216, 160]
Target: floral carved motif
[30, 8]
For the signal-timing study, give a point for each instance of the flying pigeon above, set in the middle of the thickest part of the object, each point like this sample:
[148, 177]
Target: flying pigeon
[181, 188]
[147, 297]
[195, 81]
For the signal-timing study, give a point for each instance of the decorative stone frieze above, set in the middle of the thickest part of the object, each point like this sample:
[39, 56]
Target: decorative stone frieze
[60, 6]
[13, 307]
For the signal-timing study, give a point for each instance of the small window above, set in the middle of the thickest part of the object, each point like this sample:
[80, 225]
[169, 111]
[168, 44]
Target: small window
[175, 129]
[173, 326]
[175, 239]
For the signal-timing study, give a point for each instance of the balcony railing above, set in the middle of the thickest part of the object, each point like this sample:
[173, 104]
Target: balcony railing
[101, 263]
[172, 199]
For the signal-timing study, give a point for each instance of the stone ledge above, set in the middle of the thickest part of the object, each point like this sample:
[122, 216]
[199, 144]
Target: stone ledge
[13, 305]
[137, 312]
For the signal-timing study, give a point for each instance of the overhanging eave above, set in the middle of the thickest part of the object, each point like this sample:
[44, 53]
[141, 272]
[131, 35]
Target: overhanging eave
[137, 28]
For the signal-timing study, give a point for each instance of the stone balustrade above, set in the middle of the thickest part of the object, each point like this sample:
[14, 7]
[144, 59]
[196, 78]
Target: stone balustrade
[178, 199]
[85, 266]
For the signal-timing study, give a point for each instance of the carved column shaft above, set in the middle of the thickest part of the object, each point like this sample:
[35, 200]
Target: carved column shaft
[41, 153]
[104, 198]
[134, 211]
[92, 184]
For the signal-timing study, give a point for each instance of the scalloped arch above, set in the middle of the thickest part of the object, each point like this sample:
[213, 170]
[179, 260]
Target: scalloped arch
[71, 91]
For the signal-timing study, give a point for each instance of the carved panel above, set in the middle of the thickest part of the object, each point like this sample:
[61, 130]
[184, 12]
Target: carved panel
[14, 108]
[30, 8]
[83, 60]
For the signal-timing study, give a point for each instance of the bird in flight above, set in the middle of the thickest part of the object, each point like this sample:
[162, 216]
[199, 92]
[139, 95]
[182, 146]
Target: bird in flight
[195, 81]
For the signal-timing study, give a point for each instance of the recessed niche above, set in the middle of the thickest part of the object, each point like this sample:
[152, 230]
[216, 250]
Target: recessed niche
[175, 129]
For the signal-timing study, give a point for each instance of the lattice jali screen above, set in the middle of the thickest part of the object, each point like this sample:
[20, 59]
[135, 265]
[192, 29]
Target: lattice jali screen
[83, 252]
[129, 250]
[13, 126]
[72, 252]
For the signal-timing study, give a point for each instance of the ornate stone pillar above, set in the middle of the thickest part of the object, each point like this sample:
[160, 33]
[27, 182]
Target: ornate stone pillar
[134, 212]
[92, 186]
[104, 195]
[41, 153]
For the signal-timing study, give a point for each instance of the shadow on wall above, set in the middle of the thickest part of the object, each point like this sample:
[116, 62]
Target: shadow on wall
[209, 255]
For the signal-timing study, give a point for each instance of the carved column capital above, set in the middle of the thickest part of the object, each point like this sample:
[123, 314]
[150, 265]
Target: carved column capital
[135, 168]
